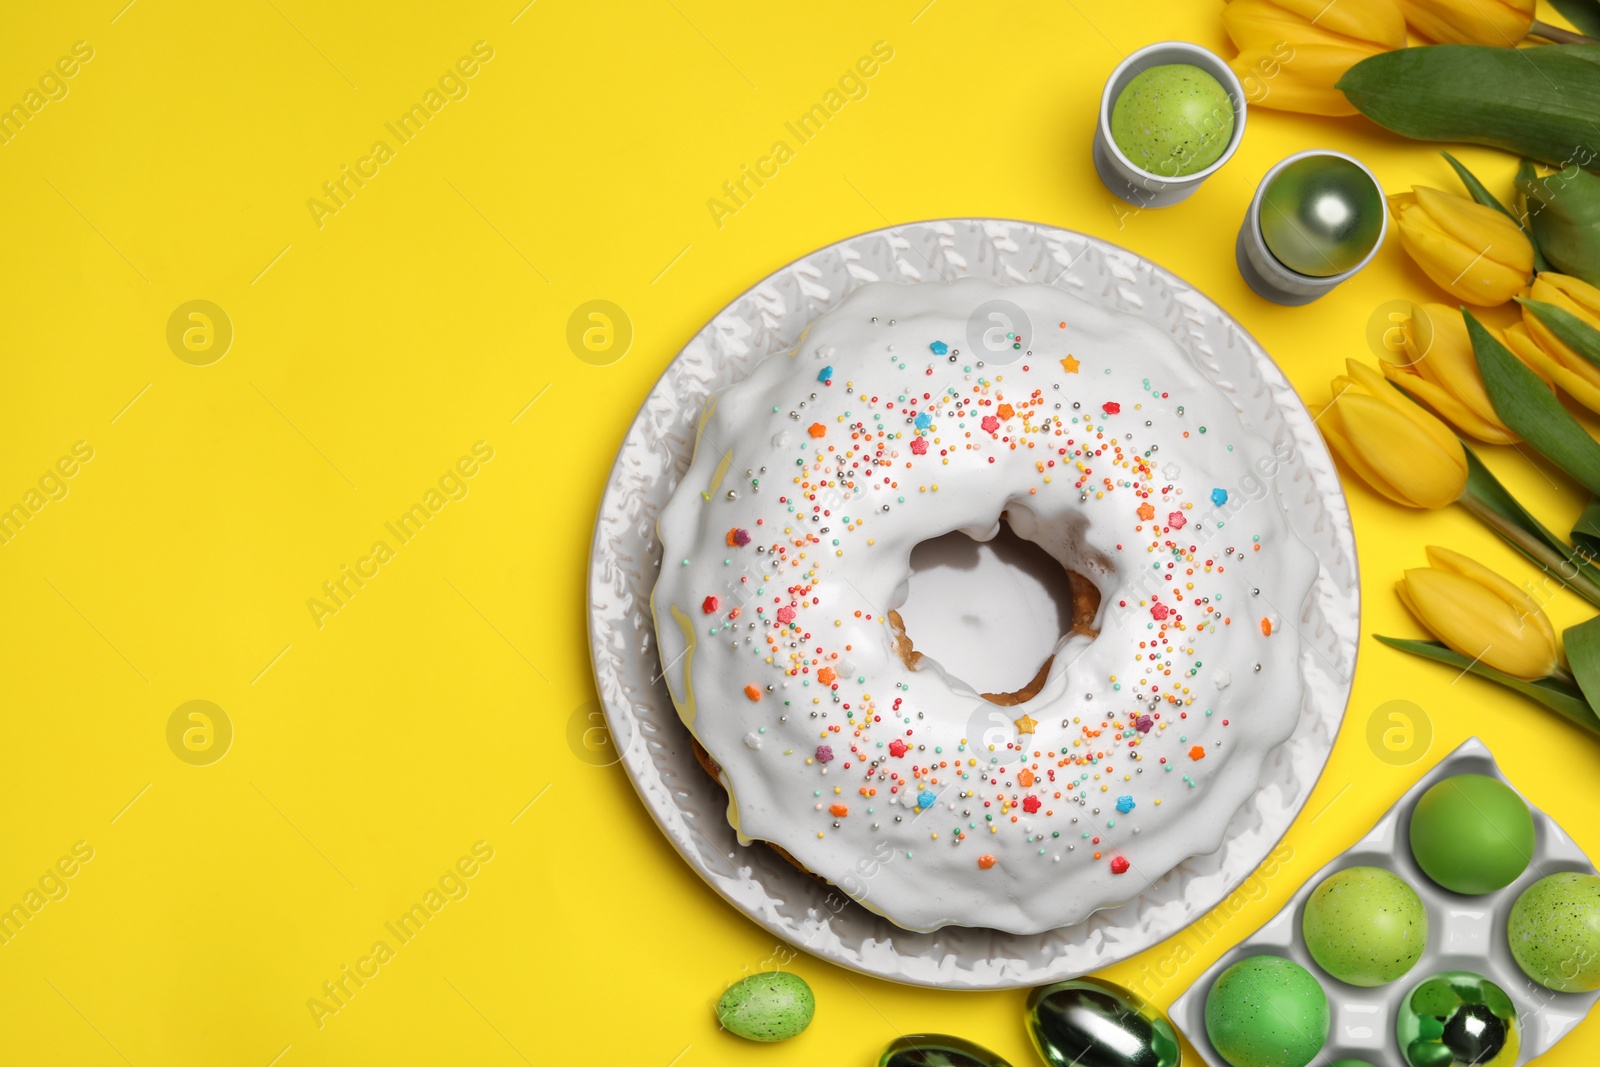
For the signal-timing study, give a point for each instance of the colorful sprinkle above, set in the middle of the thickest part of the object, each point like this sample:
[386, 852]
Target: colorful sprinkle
[1125, 804]
[1119, 865]
[753, 691]
[709, 605]
[825, 375]
[985, 861]
[824, 753]
[1219, 497]
[939, 348]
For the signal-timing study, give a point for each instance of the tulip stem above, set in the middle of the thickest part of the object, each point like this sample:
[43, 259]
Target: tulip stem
[1486, 498]
[1558, 35]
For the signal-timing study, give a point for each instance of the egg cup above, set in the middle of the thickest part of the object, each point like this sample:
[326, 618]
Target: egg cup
[1262, 271]
[1127, 180]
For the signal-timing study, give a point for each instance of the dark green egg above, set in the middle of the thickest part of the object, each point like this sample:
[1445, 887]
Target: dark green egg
[937, 1050]
[1321, 215]
[1088, 1022]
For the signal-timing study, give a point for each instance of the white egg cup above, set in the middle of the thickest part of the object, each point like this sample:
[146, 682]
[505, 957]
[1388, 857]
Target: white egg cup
[1127, 180]
[1262, 271]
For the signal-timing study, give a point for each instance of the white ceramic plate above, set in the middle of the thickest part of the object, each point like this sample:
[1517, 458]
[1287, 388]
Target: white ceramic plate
[1465, 934]
[654, 745]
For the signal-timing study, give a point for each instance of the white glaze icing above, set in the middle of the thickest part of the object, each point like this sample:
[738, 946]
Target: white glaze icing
[830, 535]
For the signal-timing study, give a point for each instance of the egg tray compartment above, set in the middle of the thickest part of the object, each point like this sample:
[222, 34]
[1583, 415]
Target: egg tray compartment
[1464, 933]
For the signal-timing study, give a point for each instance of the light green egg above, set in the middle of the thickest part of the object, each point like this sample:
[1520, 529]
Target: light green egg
[767, 1007]
[1365, 926]
[1554, 930]
[1172, 120]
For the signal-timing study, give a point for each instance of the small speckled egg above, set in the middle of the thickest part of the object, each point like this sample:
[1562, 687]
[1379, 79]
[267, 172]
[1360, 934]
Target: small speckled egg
[767, 1007]
[1472, 834]
[1554, 930]
[1172, 120]
[1365, 926]
[1267, 1011]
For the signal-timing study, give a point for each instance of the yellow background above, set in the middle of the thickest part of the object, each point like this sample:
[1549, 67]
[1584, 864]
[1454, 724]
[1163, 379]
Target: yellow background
[368, 355]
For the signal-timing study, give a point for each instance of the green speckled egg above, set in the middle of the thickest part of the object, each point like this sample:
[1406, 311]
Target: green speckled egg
[1365, 926]
[1266, 1011]
[1472, 834]
[1554, 930]
[1172, 120]
[767, 1007]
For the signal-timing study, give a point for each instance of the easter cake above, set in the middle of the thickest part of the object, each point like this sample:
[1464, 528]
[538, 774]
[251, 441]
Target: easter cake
[786, 552]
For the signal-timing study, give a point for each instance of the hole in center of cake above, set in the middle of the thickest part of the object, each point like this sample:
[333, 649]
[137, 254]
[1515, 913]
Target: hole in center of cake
[991, 613]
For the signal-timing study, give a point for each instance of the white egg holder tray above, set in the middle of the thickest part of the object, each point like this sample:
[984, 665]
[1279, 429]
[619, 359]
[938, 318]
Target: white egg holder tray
[1464, 933]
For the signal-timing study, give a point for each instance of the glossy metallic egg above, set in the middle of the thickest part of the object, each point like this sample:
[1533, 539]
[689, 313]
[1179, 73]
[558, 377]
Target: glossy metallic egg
[1088, 1022]
[937, 1050]
[1321, 215]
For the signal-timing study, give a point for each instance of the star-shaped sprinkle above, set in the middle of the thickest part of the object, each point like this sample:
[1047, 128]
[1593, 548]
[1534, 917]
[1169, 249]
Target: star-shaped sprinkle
[1026, 724]
[1070, 365]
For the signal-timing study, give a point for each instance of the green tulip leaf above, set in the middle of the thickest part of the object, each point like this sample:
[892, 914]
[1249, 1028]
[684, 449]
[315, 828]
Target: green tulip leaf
[1476, 188]
[1497, 509]
[1583, 14]
[1564, 216]
[1582, 643]
[1573, 331]
[1560, 696]
[1527, 405]
[1586, 532]
[1536, 102]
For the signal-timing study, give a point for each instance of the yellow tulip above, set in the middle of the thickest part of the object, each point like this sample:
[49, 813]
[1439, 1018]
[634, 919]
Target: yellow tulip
[1576, 376]
[1491, 22]
[1292, 51]
[1395, 446]
[1441, 370]
[1481, 615]
[1473, 252]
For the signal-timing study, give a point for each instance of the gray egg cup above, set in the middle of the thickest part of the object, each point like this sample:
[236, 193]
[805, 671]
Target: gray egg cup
[1132, 183]
[1261, 270]
[1464, 933]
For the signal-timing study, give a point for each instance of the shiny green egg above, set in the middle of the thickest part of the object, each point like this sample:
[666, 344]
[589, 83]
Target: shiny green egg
[1554, 931]
[1365, 926]
[767, 1007]
[1089, 1022]
[1321, 215]
[937, 1050]
[1172, 120]
[1458, 1019]
[1267, 1011]
[1472, 834]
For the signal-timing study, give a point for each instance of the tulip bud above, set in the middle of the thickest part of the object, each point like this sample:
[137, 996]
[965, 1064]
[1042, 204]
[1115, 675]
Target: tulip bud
[1481, 615]
[1501, 23]
[1552, 357]
[1473, 252]
[1564, 212]
[1292, 51]
[1395, 446]
[1441, 371]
